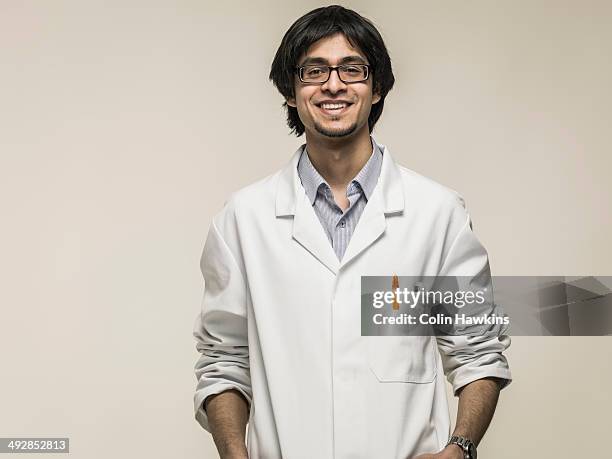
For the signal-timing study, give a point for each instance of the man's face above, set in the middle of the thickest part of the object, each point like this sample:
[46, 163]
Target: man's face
[321, 122]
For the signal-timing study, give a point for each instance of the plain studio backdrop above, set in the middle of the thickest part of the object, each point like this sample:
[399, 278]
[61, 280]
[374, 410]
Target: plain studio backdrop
[125, 125]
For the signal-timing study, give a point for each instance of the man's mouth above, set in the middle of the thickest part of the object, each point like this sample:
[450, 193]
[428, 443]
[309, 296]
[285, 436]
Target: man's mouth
[334, 108]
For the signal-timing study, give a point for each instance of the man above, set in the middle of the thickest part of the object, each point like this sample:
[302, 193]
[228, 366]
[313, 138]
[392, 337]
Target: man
[279, 331]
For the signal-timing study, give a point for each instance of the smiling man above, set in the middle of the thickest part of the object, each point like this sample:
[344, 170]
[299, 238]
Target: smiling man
[279, 332]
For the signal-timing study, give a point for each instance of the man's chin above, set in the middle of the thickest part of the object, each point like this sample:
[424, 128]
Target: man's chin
[335, 132]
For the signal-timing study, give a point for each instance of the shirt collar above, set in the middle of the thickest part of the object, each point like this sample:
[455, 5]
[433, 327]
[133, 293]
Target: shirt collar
[366, 178]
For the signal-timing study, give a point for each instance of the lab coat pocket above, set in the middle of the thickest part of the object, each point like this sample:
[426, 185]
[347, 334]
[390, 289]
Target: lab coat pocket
[409, 359]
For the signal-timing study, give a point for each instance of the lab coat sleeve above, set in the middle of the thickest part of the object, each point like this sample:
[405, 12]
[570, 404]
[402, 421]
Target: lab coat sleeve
[221, 327]
[466, 358]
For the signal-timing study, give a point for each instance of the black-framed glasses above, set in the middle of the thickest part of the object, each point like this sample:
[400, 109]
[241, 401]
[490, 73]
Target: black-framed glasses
[348, 73]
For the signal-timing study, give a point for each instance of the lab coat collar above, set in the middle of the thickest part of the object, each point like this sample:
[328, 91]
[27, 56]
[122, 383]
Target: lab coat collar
[291, 200]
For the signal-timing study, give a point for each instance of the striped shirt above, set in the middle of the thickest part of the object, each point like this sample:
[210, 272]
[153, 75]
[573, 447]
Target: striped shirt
[339, 225]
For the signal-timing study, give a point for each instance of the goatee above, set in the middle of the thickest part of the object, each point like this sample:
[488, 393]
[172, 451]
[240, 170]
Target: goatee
[335, 132]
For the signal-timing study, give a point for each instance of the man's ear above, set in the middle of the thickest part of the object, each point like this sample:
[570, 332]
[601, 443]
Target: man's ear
[291, 102]
[375, 98]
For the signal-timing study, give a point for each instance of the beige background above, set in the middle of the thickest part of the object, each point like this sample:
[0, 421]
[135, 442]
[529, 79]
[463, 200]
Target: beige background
[125, 125]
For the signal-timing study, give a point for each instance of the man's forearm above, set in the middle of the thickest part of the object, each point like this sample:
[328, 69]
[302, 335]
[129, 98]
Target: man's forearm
[228, 414]
[477, 402]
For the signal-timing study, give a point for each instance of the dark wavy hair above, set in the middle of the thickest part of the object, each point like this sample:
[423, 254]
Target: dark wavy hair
[320, 23]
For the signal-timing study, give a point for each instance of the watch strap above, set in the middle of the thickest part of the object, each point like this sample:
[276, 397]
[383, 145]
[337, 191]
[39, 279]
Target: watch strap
[465, 444]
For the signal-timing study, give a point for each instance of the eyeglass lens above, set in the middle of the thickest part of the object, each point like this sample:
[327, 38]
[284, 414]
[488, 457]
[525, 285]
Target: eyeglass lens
[347, 73]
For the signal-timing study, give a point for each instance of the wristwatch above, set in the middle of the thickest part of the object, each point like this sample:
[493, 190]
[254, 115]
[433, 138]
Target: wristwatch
[468, 447]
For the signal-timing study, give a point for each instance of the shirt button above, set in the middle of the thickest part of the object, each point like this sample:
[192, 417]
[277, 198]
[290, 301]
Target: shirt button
[342, 224]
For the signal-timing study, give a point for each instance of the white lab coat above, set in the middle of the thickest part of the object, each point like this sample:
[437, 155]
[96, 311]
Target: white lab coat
[280, 320]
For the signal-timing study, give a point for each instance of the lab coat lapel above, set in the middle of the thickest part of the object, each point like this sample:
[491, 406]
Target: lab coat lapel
[309, 232]
[370, 227]
[387, 198]
[291, 199]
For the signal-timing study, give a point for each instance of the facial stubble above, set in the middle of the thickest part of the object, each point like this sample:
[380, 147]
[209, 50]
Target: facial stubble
[335, 133]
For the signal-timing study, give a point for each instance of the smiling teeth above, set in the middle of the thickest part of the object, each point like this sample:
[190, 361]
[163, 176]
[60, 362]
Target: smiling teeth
[332, 106]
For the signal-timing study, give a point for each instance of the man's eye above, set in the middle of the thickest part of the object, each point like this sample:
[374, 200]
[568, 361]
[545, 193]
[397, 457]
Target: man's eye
[314, 71]
[352, 69]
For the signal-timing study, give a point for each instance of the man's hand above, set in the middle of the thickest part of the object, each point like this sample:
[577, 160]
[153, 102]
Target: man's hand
[450, 452]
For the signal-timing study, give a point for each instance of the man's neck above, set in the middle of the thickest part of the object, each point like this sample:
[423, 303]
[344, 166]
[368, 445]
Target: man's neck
[338, 160]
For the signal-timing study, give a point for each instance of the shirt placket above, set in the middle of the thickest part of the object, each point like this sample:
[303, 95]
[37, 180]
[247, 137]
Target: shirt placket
[339, 227]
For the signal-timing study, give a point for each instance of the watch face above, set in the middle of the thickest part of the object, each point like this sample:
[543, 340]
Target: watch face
[472, 451]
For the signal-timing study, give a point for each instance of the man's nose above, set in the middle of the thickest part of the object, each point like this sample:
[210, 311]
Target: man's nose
[334, 83]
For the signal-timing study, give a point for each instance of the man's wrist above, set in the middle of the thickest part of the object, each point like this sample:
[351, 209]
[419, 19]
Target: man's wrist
[455, 451]
[239, 452]
[235, 450]
[466, 445]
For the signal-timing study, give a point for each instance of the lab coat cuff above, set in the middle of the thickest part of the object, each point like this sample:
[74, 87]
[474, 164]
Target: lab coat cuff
[480, 373]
